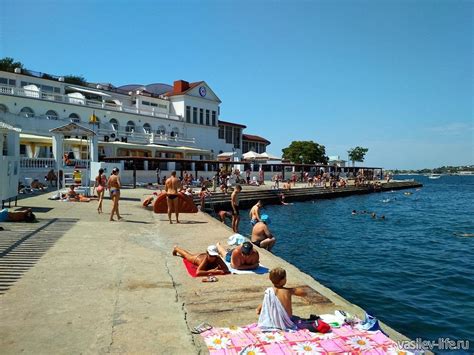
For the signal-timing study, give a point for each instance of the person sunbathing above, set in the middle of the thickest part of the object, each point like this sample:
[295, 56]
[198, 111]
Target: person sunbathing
[72, 195]
[25, 215]
[208, 263]
[242, 257]
[276, 312]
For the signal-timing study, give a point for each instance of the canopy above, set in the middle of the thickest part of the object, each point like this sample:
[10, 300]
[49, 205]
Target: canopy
[267, 156]
[226, 155]
[73, 129]
[250, 155]
[89, 91]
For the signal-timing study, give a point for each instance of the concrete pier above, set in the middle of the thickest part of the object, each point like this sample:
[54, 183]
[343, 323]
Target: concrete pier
[77, 283]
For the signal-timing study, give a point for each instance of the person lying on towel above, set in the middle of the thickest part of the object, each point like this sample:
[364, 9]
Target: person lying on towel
[17, 216]
[276, 313]
[242, 257]
[208, 263]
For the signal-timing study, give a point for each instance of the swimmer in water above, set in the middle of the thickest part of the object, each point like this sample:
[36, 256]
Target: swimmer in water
[373, 215]
[354, 212]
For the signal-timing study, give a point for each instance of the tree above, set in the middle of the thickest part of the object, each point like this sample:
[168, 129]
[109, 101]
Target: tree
[307, 152]
[9, 64]
[357, 154]
[75, 79]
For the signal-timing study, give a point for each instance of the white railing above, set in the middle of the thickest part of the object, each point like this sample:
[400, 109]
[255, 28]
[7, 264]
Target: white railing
[142, 137]
[50, 163]
[37, 163]
[51, 96]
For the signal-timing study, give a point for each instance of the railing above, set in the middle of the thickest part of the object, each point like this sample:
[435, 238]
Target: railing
[50, 163]
[37, 163]
[145, 138]
[51, 96]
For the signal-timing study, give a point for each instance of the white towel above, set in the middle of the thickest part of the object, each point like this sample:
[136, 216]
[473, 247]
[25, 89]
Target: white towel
[273, 315]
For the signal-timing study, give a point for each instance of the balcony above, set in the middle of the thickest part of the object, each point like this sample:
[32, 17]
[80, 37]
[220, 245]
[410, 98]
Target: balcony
[94, 104]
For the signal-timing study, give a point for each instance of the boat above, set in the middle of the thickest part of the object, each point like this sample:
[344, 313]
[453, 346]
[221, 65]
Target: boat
[434, 176]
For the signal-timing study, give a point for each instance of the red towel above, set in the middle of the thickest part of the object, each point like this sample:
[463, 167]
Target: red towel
[190, 267]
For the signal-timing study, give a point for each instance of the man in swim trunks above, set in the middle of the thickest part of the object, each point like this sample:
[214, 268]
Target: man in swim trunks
[234, 201]
[172, 187]
[17, 216]
[262, 237]
[254, 213]
[242, 257]
[208, 263]
[223, 215]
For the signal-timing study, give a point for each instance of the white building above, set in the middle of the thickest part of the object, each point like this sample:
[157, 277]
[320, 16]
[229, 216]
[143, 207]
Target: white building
[156, 120]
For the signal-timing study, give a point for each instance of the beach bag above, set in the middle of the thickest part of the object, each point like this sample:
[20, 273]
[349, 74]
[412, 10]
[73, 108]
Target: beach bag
[321, 326]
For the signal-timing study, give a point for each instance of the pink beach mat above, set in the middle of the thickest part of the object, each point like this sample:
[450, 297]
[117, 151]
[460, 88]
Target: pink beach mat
[251, 340]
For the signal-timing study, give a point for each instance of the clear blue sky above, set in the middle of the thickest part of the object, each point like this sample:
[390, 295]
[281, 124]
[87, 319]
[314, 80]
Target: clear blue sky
[393, 76]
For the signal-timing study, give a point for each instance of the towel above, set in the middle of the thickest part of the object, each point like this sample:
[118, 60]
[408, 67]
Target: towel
[190, 268]
[273, 315]
[259, 271]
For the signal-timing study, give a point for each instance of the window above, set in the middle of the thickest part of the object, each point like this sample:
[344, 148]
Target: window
[147, 128]
[145, 103]
[175, 132]
[5, 81]
[153, 104]
[27, 112]
[207, 118]
[114, 123]
[245, 147]
[236, 137]
[221, 132]
[213, 118]
[74, 117]
[201, 116]
[161, 130]
[130, 127]
[3, 108]
[51, 115]
[162, 106]
[228, 134]
[188, 114]
[195, 115]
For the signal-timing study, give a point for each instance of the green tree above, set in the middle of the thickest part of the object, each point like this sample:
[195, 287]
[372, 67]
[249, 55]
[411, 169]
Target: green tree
[9, 64]
[357, 154]
[75, 79]
[307, 152]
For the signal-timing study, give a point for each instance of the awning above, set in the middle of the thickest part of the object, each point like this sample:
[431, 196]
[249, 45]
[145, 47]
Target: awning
[267, 156]
[162, 148]
[73, 129]
[89, 91]
[33, 138]
[251, 155]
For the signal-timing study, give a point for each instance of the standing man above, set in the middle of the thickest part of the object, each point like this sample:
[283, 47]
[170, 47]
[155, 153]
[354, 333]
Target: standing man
[234, 201]
[172, 186]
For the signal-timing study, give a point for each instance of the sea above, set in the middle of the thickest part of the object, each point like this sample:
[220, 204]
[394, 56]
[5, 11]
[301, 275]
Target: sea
[414, 269]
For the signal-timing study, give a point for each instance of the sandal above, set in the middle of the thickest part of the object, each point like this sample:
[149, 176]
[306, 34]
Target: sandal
[210, 279]
[201, 328]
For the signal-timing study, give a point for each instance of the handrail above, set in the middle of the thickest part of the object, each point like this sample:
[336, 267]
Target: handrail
[51, 96]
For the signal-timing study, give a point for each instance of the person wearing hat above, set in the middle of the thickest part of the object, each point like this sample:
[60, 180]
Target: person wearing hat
[242, 257]
[261, 235]
[208, 263]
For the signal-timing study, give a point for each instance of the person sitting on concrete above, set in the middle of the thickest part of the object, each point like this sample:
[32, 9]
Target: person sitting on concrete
[223, 215]
[51, 178]
[35, 184]
[276, 312]
[242, 257]
[261, 235]
[25, 215]
[72, 195]
[208, 263]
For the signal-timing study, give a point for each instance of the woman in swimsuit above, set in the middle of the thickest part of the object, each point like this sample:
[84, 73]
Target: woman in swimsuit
[114, 187]
[100, 186]
[208, 263]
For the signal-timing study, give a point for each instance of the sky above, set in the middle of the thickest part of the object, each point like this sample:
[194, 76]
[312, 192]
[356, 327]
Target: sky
[392, 76]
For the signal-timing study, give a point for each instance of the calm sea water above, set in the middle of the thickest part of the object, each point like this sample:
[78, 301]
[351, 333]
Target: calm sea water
[411, 270]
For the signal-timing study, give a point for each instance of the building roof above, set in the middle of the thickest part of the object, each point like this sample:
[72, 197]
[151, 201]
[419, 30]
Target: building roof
[226, 123]
[251, 137]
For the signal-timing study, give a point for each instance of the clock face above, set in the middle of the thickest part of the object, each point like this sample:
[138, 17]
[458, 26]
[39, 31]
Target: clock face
[202, 91]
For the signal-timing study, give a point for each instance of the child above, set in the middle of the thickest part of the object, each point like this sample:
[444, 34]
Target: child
[276, 312]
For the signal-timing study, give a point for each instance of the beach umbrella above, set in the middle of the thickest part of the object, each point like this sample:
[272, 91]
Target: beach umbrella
[250, 155]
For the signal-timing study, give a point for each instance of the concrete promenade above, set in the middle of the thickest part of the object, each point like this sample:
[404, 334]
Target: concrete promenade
[114, 287]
